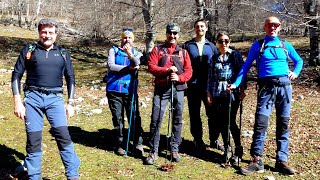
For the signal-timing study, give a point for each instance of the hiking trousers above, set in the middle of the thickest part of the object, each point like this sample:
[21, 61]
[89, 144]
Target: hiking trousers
[220, 115]
[195, 97]
[118, 102]
[37, 105]
[160, 102]
[273, 92]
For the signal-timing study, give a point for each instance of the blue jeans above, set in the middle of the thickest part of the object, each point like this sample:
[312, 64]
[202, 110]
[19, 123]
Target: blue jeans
[160, 101]
[273, 92]
[52, 105]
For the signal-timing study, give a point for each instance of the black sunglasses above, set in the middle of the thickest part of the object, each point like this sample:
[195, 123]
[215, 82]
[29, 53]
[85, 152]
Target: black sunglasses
[221, 41]
[174, 33]
[127, 29]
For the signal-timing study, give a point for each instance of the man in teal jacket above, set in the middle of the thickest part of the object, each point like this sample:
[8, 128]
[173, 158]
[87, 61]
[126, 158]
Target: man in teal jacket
[274, 82]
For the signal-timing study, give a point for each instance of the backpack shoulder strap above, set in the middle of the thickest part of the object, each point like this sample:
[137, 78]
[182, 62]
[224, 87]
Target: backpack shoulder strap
[162, 61]
[284, 46]
[262, 46]
[63, 52]
[31, 48]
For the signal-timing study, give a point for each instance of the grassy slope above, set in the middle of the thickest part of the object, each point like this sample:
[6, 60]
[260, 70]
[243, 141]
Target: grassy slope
[92, 133]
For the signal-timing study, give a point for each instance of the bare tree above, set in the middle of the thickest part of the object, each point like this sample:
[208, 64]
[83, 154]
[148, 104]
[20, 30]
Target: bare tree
[148, 12]
[200, 6]
[312, 8]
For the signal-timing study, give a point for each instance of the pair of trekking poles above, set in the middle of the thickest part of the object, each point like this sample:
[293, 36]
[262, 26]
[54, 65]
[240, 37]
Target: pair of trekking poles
[133, 109]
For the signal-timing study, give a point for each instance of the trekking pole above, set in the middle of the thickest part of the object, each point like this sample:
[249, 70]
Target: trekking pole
[169, 119]
[240, 119]
[132, 110]
[226, 151]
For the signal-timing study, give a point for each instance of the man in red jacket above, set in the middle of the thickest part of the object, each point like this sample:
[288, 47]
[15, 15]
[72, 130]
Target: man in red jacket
[171, 67]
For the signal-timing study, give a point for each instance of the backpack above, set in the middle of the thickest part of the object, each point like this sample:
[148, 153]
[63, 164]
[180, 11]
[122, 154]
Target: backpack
[32, 47]
[176, 62]
[263, 47]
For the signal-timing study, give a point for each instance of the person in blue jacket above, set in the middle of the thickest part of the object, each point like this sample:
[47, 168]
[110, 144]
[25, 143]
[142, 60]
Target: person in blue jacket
[274, 89]
[122, 81]
[45, 63]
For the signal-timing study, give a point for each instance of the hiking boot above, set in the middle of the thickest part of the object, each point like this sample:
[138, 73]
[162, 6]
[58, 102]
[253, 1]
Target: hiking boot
[119, 151]
[176, 157]
[152, 157]
[21, 172]
[139, 151]
[227, 155]
[256, 165]
[236, 158]
[217, 145]
[284, 168]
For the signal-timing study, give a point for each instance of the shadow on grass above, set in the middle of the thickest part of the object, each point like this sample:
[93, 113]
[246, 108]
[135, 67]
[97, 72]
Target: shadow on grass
[186, 148]
[104, 139]
[8, 162]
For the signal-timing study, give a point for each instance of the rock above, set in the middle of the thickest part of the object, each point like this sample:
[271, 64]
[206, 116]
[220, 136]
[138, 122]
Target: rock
[79, 99]
[3, 70]
[103, 101]
[143, 104]
[96, 111]
[103, 88]
[268, 178]
[148, 98]
[301, 97]
[247, 133]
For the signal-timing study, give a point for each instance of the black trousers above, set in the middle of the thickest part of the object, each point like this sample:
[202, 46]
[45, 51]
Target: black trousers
[118, 103]
[196, 95]
[220, 115]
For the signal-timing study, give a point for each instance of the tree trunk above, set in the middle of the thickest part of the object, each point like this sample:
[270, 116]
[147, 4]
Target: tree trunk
[314, 31]
[27, 18]
[200, 6]
[147, 11]
[311, 8]
[20, 13]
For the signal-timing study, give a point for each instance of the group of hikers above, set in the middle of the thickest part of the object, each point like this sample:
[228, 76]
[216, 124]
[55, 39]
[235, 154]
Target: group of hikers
[214, 75]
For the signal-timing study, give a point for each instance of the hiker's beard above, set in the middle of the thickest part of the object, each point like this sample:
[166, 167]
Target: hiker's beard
[47, 42]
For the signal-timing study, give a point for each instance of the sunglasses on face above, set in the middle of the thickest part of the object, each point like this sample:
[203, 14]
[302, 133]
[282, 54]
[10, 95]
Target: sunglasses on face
[276, 25]
[174, 33]
[127, 29]
[221, 41]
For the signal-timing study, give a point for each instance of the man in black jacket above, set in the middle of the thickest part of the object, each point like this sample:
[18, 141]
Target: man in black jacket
[45, 63]
[201, 52]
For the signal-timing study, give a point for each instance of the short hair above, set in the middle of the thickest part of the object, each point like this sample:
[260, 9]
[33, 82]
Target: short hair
[201, 20]
[221, 33]
[47, 22]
